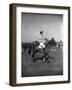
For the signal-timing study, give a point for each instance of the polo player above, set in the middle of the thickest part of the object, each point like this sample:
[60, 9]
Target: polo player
[42, 41]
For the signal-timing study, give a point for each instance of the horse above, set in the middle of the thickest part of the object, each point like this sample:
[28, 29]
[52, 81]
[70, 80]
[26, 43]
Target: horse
[40, 47]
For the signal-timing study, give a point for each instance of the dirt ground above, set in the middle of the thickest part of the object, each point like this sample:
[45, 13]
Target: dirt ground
[39, 68]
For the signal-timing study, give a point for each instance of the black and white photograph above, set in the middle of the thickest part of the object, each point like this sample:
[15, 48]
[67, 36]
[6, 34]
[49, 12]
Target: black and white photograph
[42, 44]
[39, 44]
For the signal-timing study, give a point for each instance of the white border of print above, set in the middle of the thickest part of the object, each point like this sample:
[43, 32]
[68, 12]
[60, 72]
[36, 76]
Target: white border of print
[63, 77]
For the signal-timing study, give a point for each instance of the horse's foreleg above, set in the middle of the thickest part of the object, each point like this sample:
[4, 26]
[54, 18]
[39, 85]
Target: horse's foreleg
[46, 56]
[34, 52]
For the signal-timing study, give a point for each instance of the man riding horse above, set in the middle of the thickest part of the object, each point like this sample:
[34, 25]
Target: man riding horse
[41, 45]
[42, 40]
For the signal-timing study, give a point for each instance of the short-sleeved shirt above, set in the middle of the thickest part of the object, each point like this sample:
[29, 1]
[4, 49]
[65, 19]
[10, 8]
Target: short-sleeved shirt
[42, 39]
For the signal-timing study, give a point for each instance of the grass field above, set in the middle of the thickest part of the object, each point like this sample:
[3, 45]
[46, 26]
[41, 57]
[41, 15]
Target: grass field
[39, 68]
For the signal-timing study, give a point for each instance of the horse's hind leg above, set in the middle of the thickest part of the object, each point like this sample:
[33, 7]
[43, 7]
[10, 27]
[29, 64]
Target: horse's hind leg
[46, 56]
[47, 59]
